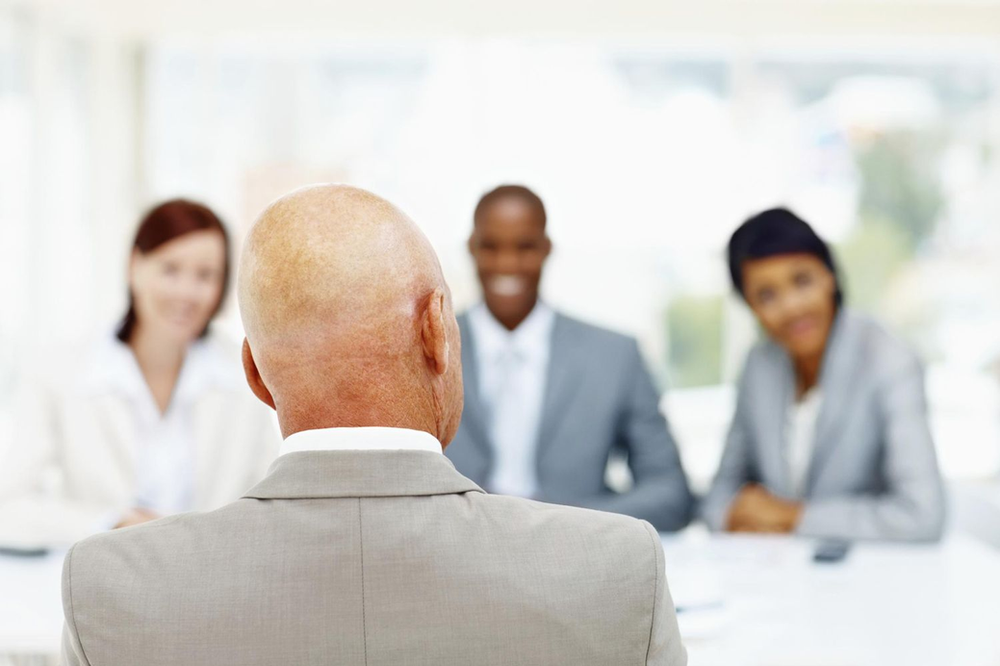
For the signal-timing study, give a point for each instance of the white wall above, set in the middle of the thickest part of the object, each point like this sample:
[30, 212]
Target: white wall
[434, 18]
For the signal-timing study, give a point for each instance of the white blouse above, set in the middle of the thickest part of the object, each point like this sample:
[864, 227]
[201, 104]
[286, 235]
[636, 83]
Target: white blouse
[163, 442]
[801, 438]
[89, 442]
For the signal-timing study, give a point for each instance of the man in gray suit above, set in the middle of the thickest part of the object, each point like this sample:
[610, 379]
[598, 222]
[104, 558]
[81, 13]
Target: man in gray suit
[363, 545]
[548, 399]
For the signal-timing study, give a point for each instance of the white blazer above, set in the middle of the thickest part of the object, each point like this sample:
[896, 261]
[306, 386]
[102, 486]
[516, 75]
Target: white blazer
[72, 461]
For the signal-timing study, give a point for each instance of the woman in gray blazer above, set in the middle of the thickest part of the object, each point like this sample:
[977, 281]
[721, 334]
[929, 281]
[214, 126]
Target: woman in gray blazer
[830, 436]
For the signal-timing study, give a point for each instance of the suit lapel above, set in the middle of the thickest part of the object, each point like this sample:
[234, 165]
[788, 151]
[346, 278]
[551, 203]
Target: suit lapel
[473, 413]
[381, 473]
[773, 426]
[840, 365]
[561, 382]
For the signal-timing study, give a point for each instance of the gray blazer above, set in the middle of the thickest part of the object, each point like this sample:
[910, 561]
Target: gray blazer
[599, 400]
[378, 558]
[873, 473]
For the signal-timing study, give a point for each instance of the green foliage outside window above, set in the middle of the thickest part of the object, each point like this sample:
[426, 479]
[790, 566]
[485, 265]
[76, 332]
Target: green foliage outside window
[694, 325]
[899, 205]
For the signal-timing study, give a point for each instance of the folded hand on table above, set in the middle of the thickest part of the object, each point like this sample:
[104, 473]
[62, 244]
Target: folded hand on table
[754, 509]
[136, 516]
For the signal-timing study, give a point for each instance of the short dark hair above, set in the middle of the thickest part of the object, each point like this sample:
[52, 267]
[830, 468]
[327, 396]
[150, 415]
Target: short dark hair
[167, 221]
[518, 191]
[773, 232]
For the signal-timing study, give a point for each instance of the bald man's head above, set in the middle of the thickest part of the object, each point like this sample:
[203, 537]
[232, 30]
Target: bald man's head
[347, 316]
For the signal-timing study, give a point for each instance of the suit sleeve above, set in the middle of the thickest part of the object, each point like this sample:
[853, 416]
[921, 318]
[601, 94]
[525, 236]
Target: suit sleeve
[735, 470]
[913, 506]
[665, 646]
[72, 648]
[660, 494]
[30, 514]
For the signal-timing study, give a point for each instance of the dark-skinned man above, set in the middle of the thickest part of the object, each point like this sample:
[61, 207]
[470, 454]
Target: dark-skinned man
[548, 399]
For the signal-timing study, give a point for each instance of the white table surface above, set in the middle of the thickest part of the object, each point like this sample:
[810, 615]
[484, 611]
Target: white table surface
[764, 601]
[753, 601]
[31, 614]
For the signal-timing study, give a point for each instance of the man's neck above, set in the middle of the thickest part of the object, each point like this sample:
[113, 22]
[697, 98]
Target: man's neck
[294, 420]
[511, 322]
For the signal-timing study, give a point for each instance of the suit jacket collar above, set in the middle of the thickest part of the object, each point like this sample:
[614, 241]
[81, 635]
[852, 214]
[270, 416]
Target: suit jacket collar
[778, 374]
[560, 384]
[561, 380]
[843, 359]
[474, 411]
[327, 474]
[531, 340]
[208, 365]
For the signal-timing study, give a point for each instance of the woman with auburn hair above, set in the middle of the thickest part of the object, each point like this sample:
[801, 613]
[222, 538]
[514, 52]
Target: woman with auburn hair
[830, 437]
[153, 420]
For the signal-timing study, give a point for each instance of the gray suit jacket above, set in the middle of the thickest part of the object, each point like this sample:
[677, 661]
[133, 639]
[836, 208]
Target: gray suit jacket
[599, 400]
[874, 472]
[378, 558]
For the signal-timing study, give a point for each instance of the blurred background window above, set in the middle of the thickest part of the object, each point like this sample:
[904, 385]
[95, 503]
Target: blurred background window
[15, 134]
[647, 155]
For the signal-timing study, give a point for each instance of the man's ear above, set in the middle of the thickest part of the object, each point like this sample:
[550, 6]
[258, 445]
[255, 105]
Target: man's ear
[253, 376]
[434, 333]
[547, 246]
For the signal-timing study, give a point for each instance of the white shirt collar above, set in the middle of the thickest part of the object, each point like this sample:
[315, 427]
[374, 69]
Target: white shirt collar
[112, 368]
[360, 439]
[531, 338]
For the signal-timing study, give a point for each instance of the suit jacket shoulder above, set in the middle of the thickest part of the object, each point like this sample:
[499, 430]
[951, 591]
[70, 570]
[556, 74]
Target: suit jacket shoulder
[601, 560]
[883, 351]
[567, 525]
[594, 540]
[593, 335]
[588, 581]
[580, 331]
[612, 357]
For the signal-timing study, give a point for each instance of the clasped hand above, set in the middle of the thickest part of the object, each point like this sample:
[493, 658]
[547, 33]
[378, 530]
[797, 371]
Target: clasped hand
[754, 509]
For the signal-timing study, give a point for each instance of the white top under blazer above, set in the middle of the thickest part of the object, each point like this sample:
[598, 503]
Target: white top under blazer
[89, 443]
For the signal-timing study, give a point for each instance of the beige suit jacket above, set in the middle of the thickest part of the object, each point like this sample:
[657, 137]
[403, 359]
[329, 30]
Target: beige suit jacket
[72, 463]
[376, 558]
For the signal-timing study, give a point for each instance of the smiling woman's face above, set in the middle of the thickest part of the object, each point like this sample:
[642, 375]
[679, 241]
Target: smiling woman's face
[793, 296]
[176, 287]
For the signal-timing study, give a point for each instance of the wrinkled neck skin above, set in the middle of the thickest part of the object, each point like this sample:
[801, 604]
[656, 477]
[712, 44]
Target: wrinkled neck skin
[375, 390]
[347, 413]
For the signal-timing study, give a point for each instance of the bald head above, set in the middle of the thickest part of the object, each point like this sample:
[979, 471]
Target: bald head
[347, 316]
